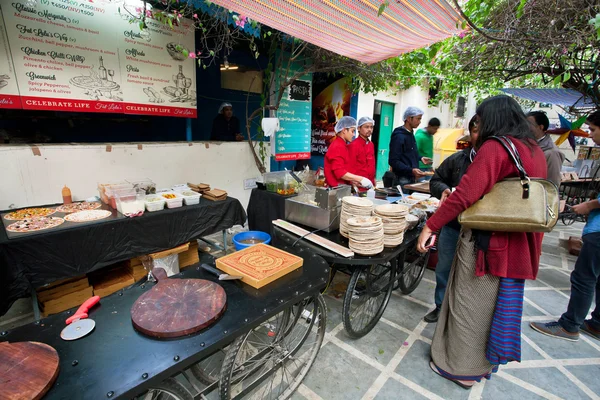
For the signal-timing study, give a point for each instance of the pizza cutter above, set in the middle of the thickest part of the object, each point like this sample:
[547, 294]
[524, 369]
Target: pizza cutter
[79, 325]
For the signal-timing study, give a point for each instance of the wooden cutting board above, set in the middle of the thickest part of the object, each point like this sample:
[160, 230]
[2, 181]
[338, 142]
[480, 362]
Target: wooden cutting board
[177, 307]
[27, 370]
[259, 264]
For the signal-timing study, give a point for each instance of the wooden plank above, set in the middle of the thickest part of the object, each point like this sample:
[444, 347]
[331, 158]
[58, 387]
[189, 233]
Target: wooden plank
[60, 282]
[62, 290]
[66, 302]
[176, 250]
[328, 244]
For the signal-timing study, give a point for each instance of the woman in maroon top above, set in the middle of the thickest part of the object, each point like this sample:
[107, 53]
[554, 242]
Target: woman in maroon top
[480, 322]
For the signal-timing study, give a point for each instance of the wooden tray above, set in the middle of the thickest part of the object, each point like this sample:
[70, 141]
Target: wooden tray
[260, 264]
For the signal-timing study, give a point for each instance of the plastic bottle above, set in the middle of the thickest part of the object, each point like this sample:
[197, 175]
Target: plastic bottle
[66, 195]
[371, 193]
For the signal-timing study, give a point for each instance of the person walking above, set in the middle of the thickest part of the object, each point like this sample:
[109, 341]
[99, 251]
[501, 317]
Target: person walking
[585, 278]
[447, 176]
[424, 139]
[404, 155]
[337, 160]
[473, 336]
[554, 157]
[362, 151]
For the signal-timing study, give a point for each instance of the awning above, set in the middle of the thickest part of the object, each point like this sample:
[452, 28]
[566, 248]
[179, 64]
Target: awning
[559, 97]
[352, 28]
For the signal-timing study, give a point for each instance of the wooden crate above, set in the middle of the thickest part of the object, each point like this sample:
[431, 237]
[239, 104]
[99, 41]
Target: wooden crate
[189, 257]
[60, 304]
[106, 282]
[62, 288]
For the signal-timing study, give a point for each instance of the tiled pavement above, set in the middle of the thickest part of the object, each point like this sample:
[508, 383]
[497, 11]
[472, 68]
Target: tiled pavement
[391, 362]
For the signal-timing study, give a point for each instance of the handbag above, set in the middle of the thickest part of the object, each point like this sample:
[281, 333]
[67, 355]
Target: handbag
[520, 204]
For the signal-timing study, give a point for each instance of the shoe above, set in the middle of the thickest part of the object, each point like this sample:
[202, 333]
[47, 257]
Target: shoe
[589, 330]
[463, 384]
[433, 316]
[555, 330]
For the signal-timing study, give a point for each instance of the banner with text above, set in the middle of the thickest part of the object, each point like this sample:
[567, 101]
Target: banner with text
[9, 91]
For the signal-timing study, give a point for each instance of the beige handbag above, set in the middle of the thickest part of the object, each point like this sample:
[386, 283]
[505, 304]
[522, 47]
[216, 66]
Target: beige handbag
[515, 204]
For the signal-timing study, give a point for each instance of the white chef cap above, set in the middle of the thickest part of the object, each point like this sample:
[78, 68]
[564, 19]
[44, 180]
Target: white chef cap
[365, 120]
[412, 112]
[343, 123]
[223, 105]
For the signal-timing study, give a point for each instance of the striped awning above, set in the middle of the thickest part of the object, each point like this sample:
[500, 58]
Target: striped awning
[559, 97]
[352, 28]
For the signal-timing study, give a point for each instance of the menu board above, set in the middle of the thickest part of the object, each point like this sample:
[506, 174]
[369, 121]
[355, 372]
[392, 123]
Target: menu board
[9, 91]
[292, 141]
[86, 56]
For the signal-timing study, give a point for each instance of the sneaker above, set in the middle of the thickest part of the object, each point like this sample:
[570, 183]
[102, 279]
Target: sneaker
[555, 330]
[589, 330]
[433, 316]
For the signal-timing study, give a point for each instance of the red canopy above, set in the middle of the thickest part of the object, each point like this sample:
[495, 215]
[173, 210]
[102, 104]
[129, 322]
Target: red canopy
[352, 28]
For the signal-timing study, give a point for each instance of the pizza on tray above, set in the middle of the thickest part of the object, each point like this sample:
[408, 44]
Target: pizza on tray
[29, 213]
[74, 207]
[35, 224]
[88, 215]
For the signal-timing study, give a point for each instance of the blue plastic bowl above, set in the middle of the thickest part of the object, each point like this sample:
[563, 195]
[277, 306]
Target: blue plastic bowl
[257, 235]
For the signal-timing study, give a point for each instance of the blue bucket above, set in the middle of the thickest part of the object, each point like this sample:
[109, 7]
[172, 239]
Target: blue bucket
[256, 235]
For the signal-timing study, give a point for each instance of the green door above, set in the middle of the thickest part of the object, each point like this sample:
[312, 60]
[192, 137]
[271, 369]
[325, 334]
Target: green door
[383, 143]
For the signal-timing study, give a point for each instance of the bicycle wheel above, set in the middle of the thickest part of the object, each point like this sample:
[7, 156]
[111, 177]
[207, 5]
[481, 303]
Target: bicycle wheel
[366, 297]
[568, 218]
[169, 389]
[413, 271]
[256, 369]
[207, 371]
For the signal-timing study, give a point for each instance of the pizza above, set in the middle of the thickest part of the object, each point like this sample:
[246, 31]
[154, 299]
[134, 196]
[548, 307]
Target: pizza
[35, 224]
[88, 215]
[29, 213]
[74, 207]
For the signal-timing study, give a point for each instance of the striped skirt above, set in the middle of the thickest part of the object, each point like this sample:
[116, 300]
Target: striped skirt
[480, 321]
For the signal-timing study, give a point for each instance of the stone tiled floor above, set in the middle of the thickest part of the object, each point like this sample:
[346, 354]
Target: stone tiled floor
[391, 362]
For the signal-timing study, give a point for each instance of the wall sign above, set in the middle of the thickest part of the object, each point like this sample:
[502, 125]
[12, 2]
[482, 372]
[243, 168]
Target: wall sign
[300, 90]
[9, 91]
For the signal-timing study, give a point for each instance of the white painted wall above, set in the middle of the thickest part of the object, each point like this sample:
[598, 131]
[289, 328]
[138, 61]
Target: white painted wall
[29, 180]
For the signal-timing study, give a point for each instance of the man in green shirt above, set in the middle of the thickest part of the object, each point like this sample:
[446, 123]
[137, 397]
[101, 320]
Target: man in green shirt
[424, 138]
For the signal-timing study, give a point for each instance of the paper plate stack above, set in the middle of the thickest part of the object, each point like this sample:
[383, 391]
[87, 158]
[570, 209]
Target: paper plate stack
[394, 222]
[353, 207]
[366, 235]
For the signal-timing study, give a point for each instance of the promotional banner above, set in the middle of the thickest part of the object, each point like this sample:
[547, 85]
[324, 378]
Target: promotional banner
[331, 102]
[9, 91]
[86, 56]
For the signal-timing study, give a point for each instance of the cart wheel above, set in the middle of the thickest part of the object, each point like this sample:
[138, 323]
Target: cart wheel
[366, 297]
[169, 389]
[258, 369]
[413, 271]
[207, 371]
[568, 218]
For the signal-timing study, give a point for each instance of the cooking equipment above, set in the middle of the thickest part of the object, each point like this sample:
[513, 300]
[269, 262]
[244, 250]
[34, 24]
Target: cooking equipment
[221, 275]
[79, 325]
[177, 307]
[27, 370]
[320, 210]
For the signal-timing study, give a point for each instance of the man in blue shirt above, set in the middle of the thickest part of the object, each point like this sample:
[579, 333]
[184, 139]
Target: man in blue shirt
[585, 279]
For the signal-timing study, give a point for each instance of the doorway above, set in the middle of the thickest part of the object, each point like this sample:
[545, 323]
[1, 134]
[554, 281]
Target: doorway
[383, 114]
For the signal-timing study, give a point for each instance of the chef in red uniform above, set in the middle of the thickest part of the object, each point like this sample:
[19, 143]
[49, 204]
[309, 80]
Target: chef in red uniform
[337, 161]
[362, 151]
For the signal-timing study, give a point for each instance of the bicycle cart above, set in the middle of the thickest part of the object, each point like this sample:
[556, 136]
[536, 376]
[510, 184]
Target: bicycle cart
[262, 347]
[576, 192]
[372, 279]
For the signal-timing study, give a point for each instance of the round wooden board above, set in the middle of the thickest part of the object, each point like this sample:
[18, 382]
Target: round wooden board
[27, 370]
[178, 307]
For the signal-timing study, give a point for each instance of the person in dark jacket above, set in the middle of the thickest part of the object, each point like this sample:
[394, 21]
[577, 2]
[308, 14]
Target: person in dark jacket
[404, 155]
[226, 127]
[446, 177]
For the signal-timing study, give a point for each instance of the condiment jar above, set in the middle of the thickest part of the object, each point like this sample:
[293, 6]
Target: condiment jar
[66, 195]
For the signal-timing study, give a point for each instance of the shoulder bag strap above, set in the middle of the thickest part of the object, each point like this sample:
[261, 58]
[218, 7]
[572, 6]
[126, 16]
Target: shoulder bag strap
[516, 158]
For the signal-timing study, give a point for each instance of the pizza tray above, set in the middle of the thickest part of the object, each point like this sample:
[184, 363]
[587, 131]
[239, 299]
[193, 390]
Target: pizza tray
[260, 264]
[65, 225]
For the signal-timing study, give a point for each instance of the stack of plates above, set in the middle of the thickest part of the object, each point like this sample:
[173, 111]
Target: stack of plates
[394, 222]
[353, 207]
[366, 235]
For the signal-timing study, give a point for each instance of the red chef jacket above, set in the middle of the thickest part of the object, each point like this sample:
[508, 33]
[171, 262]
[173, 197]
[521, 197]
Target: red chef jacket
[362, 158]
[336, 162]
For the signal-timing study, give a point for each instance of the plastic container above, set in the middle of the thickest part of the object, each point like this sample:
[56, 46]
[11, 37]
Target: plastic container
[274, 180]
[173, 199]
[144, 184]
[190, 197]
[66, 195]
[154, 202]
[102, 187]
[247, 239]
[131, 206]
[125, 195]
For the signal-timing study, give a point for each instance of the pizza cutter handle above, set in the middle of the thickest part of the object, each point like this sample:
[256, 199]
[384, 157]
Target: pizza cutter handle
[82, 311]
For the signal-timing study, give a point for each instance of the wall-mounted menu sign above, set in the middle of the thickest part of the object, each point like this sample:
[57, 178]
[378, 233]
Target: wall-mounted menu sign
[300, 90]
[86, 56]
